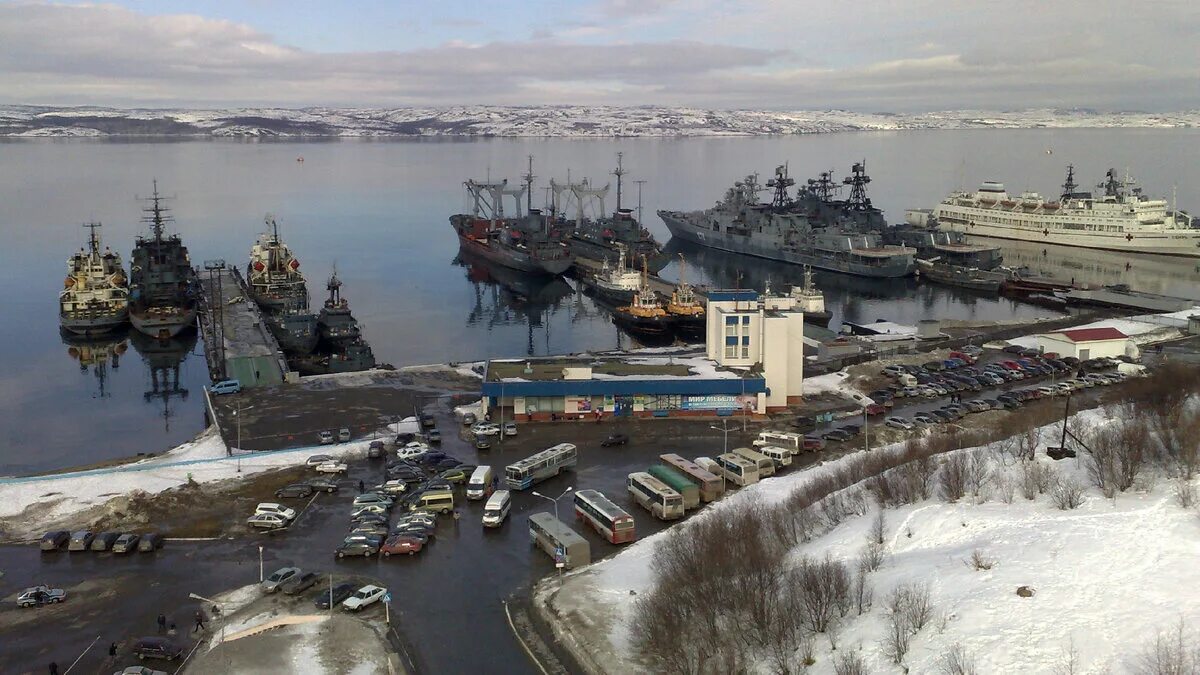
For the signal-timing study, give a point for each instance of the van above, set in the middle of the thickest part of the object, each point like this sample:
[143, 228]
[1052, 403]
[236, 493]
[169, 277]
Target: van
[907, 380]
[496, 508]
[441, 501]
[781, 456]
[766, 467]
[481, 483]
[792, 442]
[225, 387]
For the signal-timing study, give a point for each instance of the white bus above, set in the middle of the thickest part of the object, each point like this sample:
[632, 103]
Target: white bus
[610, 520]
[654, 496]
[545, 464]
[793, 442]
[737, 469]
[766, 467]
[558, 541]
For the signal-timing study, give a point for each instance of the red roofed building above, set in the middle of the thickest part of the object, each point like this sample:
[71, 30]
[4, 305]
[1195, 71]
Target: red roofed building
[1087, 343]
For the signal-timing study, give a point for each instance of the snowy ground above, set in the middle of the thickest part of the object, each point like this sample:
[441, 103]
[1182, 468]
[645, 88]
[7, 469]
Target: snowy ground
[1144, 329]
[27, 502]
[1106, 577]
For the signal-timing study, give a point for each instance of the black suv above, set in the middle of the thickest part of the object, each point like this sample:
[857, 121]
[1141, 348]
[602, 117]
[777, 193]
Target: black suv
[294, 490]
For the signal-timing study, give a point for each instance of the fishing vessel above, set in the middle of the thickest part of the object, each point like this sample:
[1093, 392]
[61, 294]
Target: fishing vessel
[685, 309]
[273, 273]
[813, 229]
[810, 300]
[645, 315]
[535, 242]
[615, 285]
[163, 285]
[95, 295]
[601, 239]
[1119, 219]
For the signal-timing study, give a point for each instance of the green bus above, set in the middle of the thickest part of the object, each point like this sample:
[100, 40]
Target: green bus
[679, 483]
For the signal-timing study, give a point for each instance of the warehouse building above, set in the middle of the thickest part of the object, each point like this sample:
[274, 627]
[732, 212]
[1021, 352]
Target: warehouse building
[1088, 343]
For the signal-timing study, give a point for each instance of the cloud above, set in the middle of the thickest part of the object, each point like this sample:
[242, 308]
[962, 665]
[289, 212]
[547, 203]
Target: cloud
[932, 54]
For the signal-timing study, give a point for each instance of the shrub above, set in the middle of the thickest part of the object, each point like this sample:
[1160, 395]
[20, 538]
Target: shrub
[1066, 493]
[957, 661]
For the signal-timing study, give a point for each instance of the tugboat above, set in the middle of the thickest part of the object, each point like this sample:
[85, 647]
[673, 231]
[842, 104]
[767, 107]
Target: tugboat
[95, 295]
[276, 284]
[645, 316]
[687, 312]
[614, 285]
[163, 286]
[599, 239]
[535, 243]
[337, 327]
[972, 278]
[811, 301]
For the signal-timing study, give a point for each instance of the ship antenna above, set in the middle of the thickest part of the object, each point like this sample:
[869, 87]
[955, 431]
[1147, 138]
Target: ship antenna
[618, 173]
[682, 271]
[640, 183]
[529, 186]
[156, 218]
[1069, 186]
[93, 240]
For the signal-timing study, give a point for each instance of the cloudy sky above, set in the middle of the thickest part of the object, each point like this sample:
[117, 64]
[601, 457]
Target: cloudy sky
[872, 55]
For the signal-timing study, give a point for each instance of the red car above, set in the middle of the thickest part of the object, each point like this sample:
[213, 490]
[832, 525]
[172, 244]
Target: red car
[400, 543]
[876, 409]
[1011, 365]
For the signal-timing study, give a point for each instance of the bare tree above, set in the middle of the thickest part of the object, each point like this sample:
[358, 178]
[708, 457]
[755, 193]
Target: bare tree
[1188, 445]
[952, 478]
[1027, 443]
[957, 661]
[849, 663]
[1068, 664]
[1116, 454]
[1185, 493]
[861, 591]
[918, 606]
[785, 629]
[1066, 493]
[871, 557]
[878, 527]
[1006, 488]
[824, 592]
[978, 473]
[1173, 653]
[898, 635]
[1029, 479]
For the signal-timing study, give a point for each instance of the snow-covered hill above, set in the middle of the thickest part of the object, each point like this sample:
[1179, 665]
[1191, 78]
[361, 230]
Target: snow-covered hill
[565, 121]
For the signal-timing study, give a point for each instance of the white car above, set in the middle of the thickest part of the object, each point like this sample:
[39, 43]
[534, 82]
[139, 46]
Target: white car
[267, 521]
[332, 467]
[316, 460]
[40, 595]
[277, 509]
[363, 597]
[364, 509]
[485, 429]
[899, 423]
[412, 450]
[417, 517]
[510, 428]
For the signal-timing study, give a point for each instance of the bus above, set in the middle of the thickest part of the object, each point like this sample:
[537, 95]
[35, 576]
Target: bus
[679, 483]
[610, 520]
[793, 442]
[766, 467]
[737, 469]
[710, 484]
[654, 496]
[558, 541]
[545, 464]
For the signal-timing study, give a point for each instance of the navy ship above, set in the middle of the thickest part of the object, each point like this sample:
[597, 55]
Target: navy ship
[95, 295]
[535, 242]
[601, 239]
[163, 285]
[921, 231]
[812, 229]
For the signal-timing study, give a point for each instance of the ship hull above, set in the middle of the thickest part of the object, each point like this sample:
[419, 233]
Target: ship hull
[962, 277]
[614, 296]
[163, 325]
[901, 266]
[94, 325]
[1182, 243]
[690, 328]
[597, 252]
[296, 335]
[514, 260]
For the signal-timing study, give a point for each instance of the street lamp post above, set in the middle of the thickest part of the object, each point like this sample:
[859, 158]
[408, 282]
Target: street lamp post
[553, 500]
[237, 415]
[724, 428]
[260, 564]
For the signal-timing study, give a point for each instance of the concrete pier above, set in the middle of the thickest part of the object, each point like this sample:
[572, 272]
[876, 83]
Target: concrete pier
[237, 342]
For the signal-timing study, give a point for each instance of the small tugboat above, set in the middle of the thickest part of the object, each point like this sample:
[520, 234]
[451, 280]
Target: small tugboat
[614, 285]
[337, 327]
[811, 301]
[535, 243]
[95, 295]
[163, 285]
[687, 312]
[645, 316]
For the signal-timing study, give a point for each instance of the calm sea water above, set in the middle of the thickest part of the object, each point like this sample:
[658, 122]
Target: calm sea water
[378, 210]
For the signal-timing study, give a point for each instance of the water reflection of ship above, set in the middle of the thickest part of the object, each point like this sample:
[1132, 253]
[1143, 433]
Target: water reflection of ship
[163, 359]
[505, 296]
[97, 353]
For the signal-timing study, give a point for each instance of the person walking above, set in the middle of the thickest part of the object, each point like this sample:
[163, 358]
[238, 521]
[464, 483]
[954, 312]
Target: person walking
[162, 623]
[361, 486]
[112, 650]
[199, 621]
[53, 668]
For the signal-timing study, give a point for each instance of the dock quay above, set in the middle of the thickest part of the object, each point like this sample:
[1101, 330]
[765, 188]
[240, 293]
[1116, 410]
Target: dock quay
[237, 343]
[657, 283]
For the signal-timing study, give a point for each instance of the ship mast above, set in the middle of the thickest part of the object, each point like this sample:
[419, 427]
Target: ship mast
[156, 218]
[93, 240]
[640, 183]
[858, 186]
[618, 173]
[781, 183]
[529, 187]
[1069, 186]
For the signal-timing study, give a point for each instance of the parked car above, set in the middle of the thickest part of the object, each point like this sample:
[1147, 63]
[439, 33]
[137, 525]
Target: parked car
[359, 545]
[332, 597]
[225, 387]
[899, 423]
[401, 543]
[875, 409]
[445, 464]
[978, 405]
[325, 437]
[81, 540]
[1013, 349]
[373, 528]
[412, 450]
[373, 498]
[150, 542]
[392, 488]
[418, 517]
[364, 509]
[140, 670]
[483, 443]
[433, 435]
[125, 543]
[299, 583]
[456, 475]
[468, 419]
[375, 450]
[343, 435]
[322, 484]
[924, 418]
[332, 467]
[814, 443]
[942, 415]
[104, 541]
[614, 439]
[157, 648]
[364, 597]
[439, 484]
[485, 429]
[510, 428]
[279, 577]
[316, 460]
[40, 595]
[267, 521]
[295, 490]
[934, 366]
[55, 540]
[278, 509]
[837, 435]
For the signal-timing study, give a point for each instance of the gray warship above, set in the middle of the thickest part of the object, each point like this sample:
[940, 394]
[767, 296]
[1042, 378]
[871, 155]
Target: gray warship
[812, 229]
[163, 286]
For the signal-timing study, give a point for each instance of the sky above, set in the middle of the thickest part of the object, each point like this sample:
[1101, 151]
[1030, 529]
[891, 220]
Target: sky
[870, 56]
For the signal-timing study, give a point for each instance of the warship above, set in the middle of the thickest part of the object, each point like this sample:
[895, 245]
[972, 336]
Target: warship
[812, 229]
[95, 295]
[601, 239]
[1121, 219]
[689, 315]
[163, 285]
[535, 242]
[336, 325]
[276, 285]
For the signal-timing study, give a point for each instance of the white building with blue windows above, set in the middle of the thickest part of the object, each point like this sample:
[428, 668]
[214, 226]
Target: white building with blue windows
[763, 334]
